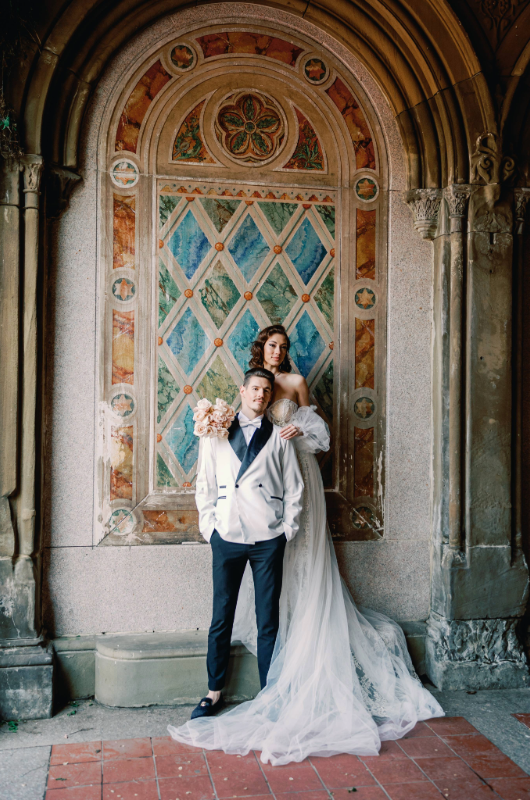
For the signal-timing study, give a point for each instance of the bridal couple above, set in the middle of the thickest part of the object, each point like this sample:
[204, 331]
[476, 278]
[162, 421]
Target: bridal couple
[333, 679]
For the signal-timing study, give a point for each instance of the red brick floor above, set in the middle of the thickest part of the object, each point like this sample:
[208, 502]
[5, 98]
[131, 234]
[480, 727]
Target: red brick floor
[444, 757]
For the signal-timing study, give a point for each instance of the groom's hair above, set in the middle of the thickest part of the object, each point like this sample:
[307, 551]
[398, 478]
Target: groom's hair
[259, 372]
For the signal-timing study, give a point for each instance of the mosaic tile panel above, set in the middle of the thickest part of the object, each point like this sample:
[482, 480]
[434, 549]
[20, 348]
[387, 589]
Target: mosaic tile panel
[366, 221]
[277, 296]
[306, 250]
[323, 392]
[248, 248]
[164, 476]
[219, 294]
[364, 353]
[278, 214]
[121, 460]
[124, 221]
[364, 462]
[306, 344]
[218, 382]
[123, 347]
[188, 341]
[137, 106]
[325, 297]
[189, 143]
[189, 245]
[220, 211]
[328, 217]
[355, 122]
[249, 43]
[167, 204]
[168, 293]
[308, 153]
[241, 338]
[167, 389]
[182, 441]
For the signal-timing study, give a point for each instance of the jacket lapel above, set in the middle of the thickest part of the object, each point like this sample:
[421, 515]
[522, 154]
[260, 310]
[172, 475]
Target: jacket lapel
[257, 443]
[236, 437]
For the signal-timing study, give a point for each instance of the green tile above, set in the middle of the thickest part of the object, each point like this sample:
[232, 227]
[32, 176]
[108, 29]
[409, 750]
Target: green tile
[168, 293]
[220, 211]
[278, 214]
[328, 215]
[277, 296]
[166, 206]
[163, 475]
[167, 389]
[219, 294]
[218, 383]
[323, 392]
[325, 297]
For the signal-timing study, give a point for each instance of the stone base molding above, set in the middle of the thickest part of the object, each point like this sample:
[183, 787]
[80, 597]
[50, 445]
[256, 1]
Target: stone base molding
[26, 680]
[475, 654]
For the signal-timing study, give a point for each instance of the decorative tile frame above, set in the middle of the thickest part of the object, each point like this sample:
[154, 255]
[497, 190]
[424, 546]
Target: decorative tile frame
[185, 293]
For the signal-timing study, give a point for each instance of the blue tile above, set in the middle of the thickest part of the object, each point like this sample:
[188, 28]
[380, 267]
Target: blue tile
[306, 344]
[189, 245]
[306, 251]
[241, 338]
[187, 341]
[248, 248]
[182, 440]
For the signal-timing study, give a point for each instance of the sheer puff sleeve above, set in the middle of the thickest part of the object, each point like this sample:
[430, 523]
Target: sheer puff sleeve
[315, 431]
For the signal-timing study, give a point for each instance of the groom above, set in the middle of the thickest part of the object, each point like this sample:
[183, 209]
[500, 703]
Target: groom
[249, 497]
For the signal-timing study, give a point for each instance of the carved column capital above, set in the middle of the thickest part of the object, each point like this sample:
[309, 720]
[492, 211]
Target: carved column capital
[522, 196]
[60, 183]
[457, 196]
[425, 205]
[32, 171]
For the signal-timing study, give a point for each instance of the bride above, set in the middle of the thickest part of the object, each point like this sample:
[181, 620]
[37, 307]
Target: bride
[341, 679]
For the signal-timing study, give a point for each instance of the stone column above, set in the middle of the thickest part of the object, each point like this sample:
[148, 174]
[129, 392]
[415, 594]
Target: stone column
[25, 661]
[479, 576]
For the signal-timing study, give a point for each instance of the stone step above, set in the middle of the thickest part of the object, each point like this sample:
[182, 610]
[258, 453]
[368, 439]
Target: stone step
[159, 669]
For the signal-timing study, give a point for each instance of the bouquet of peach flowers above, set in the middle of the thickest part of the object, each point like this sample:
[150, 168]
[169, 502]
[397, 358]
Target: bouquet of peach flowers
[213, 421]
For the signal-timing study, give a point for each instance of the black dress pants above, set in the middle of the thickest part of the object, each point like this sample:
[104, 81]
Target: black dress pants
[229, 562]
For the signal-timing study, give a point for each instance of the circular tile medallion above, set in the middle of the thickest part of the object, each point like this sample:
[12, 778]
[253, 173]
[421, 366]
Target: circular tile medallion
[183, 57]
[121, 522]
[250, 127]
[366, 189]
[316, 71]
[123, 290]
[122, 405]
[362, 518]
[365, 298]
[124, 173]
[364, 407]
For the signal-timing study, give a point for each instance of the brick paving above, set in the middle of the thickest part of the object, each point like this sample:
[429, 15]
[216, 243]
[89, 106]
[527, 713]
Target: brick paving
[444, 757]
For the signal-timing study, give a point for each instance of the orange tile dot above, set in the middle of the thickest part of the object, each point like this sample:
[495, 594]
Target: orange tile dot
[331, 345]
[160, 340]
[306, 205]
[332, 252]
[159, 437]
[218, 342]
[249, 202]
[248, 295]
[188, 293]
[219, 246]
[305, 298]
[186, 485]
[160, 243]
[188, 389]
[277, 248]
[190, 199]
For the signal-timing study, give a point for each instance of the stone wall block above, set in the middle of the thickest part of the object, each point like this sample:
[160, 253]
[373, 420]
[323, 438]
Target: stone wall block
[18, 598]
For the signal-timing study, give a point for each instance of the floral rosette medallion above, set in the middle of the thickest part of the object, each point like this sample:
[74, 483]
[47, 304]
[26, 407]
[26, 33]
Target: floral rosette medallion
[250, 128]
[212, 421]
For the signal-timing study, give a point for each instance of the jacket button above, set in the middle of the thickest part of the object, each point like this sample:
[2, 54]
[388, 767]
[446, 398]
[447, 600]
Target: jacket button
[260, 486]
[237, 485]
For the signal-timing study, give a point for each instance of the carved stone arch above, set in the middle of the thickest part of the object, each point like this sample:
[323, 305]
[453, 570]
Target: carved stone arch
[260, 64]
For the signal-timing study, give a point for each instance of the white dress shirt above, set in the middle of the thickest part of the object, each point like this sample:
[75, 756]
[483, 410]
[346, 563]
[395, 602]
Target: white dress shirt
[249, 426]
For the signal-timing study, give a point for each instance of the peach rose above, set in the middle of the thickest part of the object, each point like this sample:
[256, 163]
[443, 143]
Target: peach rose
[204, 405]
[220, 403]
[223, 434]
[200, 416]
[218, 415]
[200, 429]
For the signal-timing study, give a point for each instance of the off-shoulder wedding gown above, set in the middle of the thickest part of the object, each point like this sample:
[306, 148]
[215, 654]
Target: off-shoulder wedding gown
[340, 681]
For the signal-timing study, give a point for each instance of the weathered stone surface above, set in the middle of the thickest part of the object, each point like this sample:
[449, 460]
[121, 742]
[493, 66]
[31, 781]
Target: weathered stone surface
[74, 667]
[18, 598]
[26, 682]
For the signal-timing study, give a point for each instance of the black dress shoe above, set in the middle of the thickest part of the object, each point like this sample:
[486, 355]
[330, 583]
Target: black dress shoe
[206, 707]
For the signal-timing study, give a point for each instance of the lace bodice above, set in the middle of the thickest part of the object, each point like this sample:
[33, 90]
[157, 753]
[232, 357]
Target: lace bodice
[281, 411]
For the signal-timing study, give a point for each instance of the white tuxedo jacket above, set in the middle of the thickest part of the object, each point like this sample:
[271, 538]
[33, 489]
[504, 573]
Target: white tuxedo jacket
[249, 494]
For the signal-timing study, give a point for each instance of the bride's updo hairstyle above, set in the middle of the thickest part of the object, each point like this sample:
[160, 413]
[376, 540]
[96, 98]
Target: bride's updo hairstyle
[256, 350]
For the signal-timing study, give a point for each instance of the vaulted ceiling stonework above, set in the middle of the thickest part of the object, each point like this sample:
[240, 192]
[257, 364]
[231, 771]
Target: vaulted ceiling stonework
[187, 174]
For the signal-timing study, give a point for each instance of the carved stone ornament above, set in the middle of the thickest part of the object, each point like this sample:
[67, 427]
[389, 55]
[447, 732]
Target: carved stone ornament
[457, 196]
[498, 16]
[425, 205]
[33, 166]
[484, 641]
[60, 184]
[488, 165]
[522, 196]
[250, 127]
